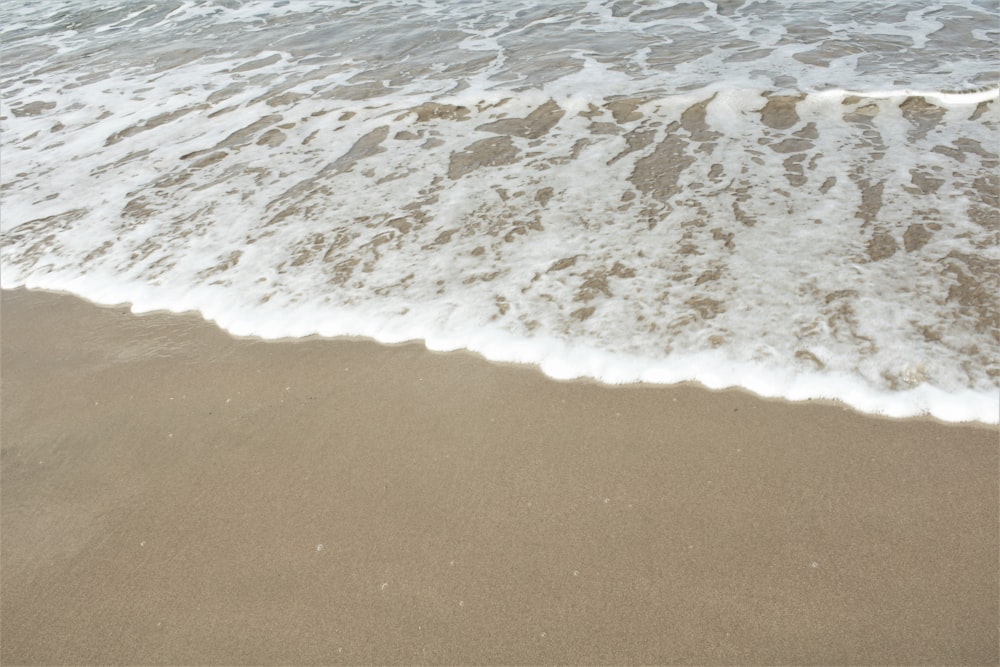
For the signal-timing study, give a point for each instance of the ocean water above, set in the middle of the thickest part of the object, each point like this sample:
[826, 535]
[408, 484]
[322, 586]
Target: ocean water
[795, 197]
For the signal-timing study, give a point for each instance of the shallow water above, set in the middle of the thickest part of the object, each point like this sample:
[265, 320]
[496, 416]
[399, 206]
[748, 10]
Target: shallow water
[797, 198]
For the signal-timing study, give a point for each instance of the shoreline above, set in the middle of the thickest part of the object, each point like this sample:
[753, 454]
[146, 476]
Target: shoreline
[175, 494]
[425, 346]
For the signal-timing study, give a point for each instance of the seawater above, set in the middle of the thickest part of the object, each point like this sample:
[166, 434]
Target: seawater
[798, 198]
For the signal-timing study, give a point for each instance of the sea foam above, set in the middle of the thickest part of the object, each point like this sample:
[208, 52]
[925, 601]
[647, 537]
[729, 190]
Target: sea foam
[730, 196]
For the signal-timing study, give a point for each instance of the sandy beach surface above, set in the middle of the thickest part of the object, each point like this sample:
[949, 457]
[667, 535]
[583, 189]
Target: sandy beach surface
[172, 495]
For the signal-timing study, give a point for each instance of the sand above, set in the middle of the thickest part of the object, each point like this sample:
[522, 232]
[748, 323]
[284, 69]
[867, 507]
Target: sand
[173, 495]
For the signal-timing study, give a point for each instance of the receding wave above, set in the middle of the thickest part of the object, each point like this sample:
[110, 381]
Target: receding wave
[812, 228]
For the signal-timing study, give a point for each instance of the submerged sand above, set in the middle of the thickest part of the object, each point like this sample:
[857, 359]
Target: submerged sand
[173, 495]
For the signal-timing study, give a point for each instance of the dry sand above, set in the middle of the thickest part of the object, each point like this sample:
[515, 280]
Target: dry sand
[173, 495]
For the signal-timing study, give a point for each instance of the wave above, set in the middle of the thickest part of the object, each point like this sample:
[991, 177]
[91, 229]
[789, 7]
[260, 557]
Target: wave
[805, 242]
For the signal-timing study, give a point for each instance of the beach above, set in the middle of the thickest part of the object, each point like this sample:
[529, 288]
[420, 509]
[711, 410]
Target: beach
[437, 332]
[175, 495]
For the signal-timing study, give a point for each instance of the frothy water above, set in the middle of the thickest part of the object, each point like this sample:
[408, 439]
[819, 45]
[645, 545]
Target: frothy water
[799, 198]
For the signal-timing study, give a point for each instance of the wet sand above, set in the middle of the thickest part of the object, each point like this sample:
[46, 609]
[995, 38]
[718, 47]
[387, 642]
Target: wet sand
[171, 495]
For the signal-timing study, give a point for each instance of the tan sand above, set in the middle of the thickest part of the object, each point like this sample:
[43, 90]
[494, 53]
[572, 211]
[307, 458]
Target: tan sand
[172, 495]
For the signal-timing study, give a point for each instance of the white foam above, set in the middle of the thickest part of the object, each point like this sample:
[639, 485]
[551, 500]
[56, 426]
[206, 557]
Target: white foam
[754, 269]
